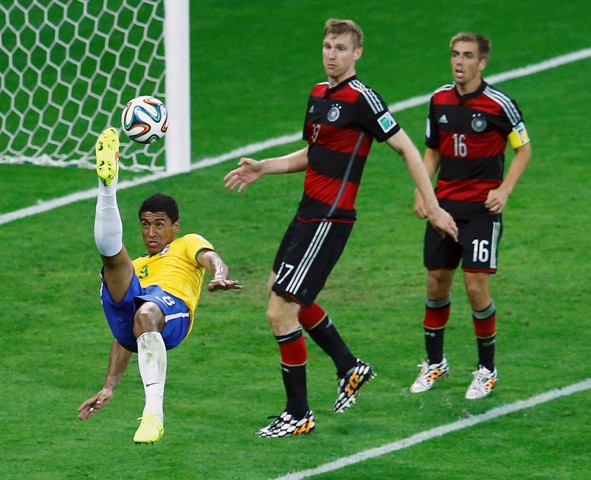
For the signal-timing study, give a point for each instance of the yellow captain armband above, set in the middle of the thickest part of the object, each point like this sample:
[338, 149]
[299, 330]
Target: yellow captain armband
[518, 136]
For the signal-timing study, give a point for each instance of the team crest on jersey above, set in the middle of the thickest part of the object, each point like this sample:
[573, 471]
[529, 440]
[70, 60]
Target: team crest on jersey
[478, 122]
[387, 122]
[334, 113]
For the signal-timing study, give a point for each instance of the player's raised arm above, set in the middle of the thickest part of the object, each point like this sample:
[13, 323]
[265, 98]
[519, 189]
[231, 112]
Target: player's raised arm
[250, 170]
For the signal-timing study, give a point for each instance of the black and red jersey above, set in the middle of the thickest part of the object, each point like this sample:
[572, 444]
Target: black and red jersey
[471, 134]
[339, 121]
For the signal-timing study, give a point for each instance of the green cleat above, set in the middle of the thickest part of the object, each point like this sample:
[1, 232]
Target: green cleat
[150, 430]
[107, 155]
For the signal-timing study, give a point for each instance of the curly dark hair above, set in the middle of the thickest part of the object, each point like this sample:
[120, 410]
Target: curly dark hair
[161, 203]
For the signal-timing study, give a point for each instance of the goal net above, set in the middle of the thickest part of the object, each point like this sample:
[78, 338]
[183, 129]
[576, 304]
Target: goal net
[67, 68]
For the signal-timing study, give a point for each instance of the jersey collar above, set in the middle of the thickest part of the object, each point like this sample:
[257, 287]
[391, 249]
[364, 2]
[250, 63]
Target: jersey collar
[474, 94]
[342, 84]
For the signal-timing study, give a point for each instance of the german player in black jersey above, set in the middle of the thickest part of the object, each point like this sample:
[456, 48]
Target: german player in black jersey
[343, 117]
[469, 125]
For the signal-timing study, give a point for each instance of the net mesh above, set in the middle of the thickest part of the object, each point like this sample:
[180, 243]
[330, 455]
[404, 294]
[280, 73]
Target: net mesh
[67, 68]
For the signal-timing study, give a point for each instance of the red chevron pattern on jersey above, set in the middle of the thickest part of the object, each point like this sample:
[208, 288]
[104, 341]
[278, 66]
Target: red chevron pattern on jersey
[470, 133]
[335, 119]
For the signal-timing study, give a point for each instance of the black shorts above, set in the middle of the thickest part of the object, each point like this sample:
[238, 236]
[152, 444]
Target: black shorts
[477, 246]
[306, 256]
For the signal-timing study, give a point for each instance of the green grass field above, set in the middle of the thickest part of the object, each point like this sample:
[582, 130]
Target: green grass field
[252, 68]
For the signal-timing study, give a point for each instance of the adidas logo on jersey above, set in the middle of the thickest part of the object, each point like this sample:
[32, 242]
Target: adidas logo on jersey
[443, 119]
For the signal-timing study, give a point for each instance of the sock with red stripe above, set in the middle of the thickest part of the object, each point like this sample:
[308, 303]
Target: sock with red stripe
[321, 329]
[436, 317]
[293, 368]
[485, 329]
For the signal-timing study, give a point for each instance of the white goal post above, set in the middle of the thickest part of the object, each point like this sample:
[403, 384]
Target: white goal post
[178, 89]
[67, 68]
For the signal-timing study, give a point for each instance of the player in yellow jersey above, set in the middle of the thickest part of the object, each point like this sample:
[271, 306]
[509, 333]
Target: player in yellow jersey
[149, 302]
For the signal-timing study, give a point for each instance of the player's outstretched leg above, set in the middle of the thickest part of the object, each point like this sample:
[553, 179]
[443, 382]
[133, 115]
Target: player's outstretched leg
[107, 156]
[350, 383]
[108, 229]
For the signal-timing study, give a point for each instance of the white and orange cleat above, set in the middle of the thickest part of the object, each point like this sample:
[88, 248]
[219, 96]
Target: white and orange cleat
[483, 383]
[430, 373]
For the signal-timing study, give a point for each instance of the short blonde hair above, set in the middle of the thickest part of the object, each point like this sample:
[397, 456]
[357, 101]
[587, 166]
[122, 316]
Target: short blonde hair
[483, 43]
[335, 26]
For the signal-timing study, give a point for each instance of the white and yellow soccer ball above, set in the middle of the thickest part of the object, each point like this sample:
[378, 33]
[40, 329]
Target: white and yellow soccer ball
[144, 119]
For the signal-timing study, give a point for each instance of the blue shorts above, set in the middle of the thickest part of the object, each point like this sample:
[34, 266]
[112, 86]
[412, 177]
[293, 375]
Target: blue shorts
[120, 314]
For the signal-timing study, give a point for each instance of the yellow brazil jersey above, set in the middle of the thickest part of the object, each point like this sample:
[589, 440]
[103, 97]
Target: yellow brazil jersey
[175, 269]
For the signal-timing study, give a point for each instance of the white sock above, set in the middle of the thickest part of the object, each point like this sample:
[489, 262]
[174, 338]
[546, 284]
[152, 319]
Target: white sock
[152, 360]
[108, 229]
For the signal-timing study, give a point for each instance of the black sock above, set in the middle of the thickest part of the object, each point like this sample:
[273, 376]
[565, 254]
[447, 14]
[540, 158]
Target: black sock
[327, 337]
[485, 330]
[486, 352]
[434, 344]
[294, 379]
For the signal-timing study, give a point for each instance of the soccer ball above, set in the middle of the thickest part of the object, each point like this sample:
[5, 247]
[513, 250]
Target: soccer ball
[144, 119]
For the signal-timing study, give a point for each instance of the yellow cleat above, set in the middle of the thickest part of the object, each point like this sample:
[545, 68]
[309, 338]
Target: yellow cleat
[107, 155]
[150, 430]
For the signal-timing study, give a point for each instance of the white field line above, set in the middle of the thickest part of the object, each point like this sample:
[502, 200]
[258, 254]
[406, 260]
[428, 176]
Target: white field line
[44, 206]
[440, 431]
